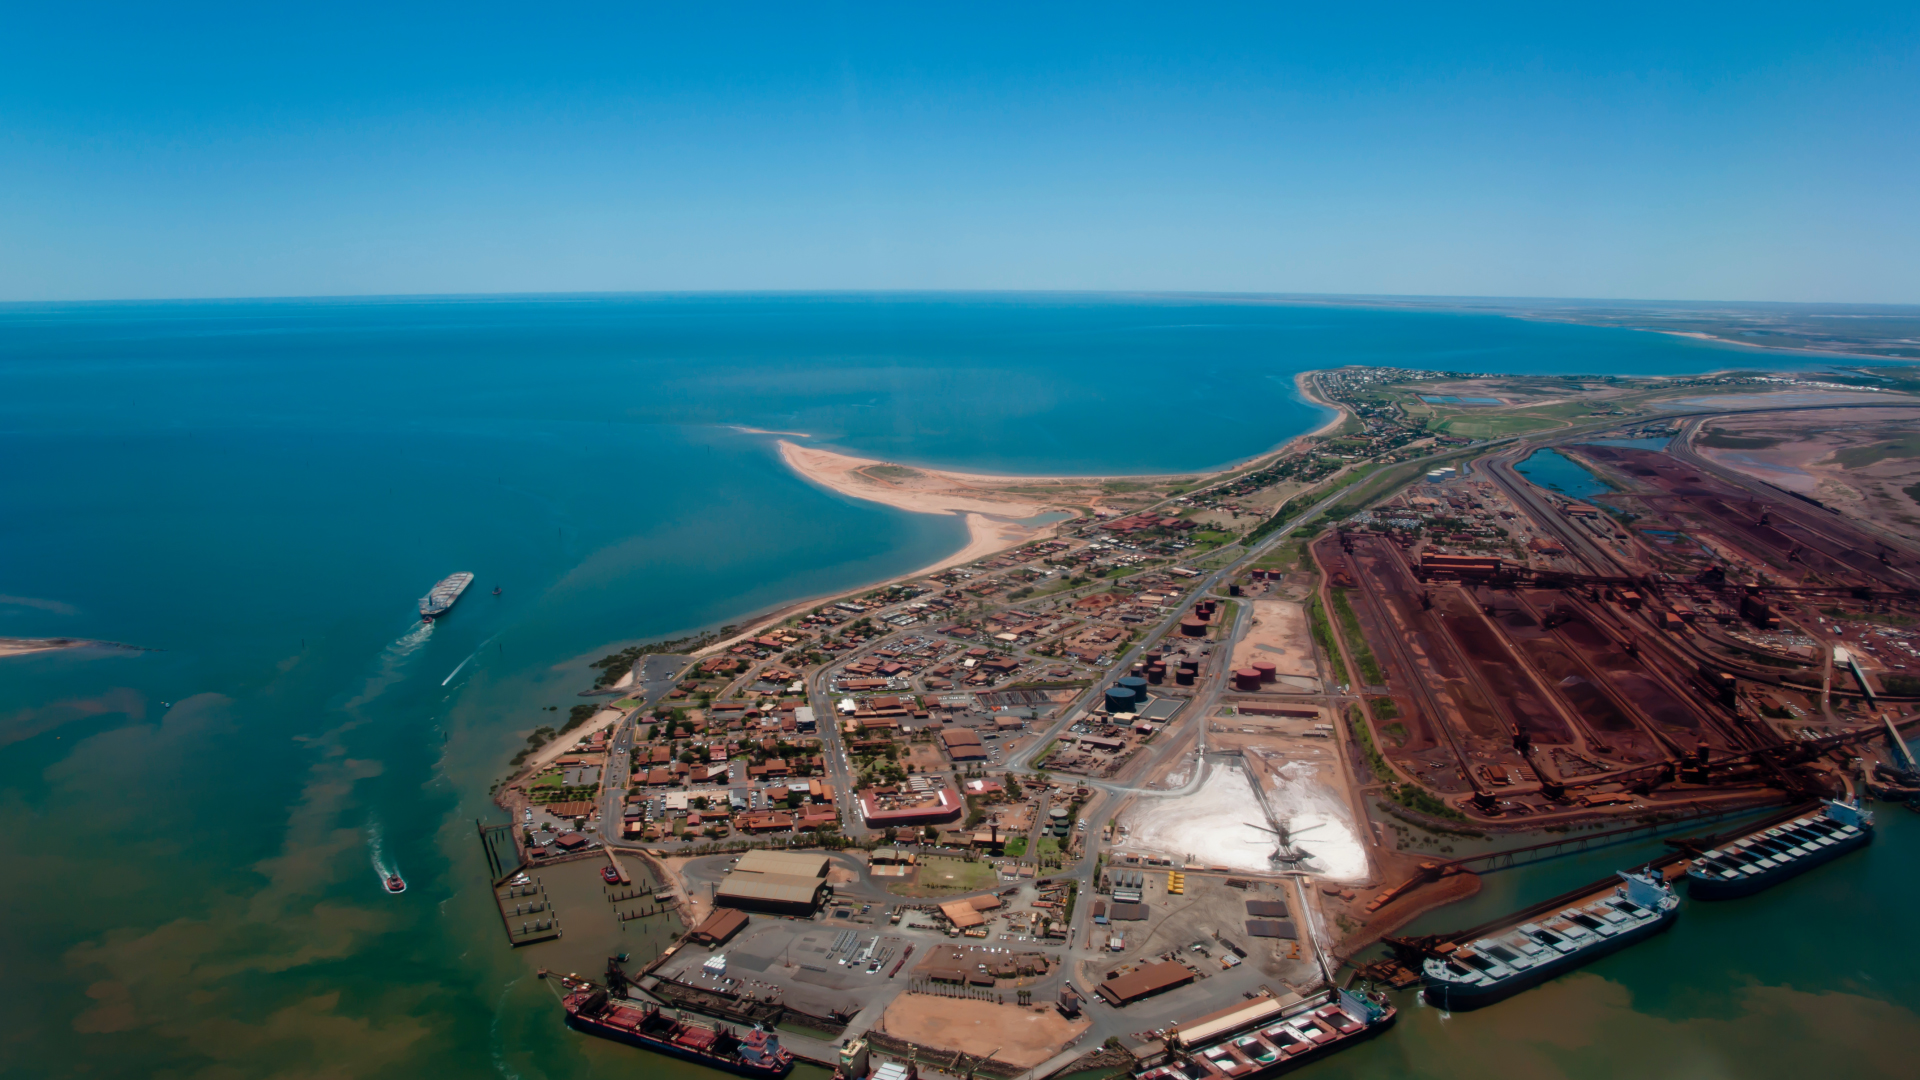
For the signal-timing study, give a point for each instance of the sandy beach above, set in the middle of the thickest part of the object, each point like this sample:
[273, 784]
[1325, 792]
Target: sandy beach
[984, 499]
[1304, 384]
[922, 491]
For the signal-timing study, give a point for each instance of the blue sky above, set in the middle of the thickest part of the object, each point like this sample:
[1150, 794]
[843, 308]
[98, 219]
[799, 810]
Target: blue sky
[1666, 151]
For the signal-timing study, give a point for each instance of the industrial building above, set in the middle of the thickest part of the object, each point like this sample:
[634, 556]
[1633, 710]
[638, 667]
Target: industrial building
[719, 927]
[779, 882]
[963, 745]
[1145, 981]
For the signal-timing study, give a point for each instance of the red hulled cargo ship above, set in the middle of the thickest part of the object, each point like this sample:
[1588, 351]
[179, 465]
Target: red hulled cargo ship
[753, 1053]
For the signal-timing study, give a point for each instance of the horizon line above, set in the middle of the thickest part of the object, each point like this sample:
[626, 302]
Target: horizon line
[1195, 294]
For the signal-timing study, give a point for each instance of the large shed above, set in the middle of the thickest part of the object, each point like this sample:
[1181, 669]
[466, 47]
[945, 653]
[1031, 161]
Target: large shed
[962, 914]
[796, 863]
[1145, 982]
[782, 894]
[963, 745]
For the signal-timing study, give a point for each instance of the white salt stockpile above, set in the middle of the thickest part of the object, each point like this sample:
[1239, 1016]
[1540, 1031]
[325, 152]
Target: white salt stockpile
[1218, 825]
[1210, 827]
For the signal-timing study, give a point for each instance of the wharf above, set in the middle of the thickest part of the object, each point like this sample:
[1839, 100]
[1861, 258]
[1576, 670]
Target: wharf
[1671, 867]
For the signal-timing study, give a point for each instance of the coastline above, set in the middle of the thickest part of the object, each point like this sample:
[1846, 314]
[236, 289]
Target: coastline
[1303, 383]
[980, 497]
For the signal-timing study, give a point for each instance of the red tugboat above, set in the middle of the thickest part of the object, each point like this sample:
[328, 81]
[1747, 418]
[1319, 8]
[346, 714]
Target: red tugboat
[594, 1010]
[396, 883]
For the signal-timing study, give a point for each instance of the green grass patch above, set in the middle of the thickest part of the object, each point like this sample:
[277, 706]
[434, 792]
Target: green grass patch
[1323, 636]
[939, 875]
[1048, 846]
[1284, 557]
[1384, 709]
[1277, 521]
[1413, 797]
[1016, 847]
[1370, 668]
[1494, 427]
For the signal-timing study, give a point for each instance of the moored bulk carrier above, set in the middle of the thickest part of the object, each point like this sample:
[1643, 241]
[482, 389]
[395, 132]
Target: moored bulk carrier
[595, 1011]
[1765, 858]
[1506, 962]
[441, 596]
[1270, 1035]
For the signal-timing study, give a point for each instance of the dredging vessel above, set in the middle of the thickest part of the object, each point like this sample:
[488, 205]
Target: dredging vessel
[441, 596]
[1763, 859]
[595, 1011]
[1271, 1035]
[1462, 977]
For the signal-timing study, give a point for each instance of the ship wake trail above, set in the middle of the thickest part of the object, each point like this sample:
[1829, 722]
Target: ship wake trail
[383, 867]
[392, 665]
[462, 665]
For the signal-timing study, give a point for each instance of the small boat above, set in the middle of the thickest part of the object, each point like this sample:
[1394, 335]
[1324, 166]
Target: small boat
[396, 883]
[496, 590]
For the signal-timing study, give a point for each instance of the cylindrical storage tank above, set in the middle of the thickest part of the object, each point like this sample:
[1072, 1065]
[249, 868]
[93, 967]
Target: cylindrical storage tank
[1184, 676]
[1138, 670]
[1156, 673]
[1136, 684]
[1119, 699]
[1246, 679]
[1268, 673]
[1193, 627]
[1155, 657]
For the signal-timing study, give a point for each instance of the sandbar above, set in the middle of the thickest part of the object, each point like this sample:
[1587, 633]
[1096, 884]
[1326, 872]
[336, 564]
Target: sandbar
[922, 491]
[15, 646]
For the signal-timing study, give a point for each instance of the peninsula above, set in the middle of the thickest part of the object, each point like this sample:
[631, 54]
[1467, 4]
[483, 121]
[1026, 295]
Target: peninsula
[1243, 725]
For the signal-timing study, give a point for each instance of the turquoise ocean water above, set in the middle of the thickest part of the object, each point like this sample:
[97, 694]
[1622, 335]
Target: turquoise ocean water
[256, 493]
